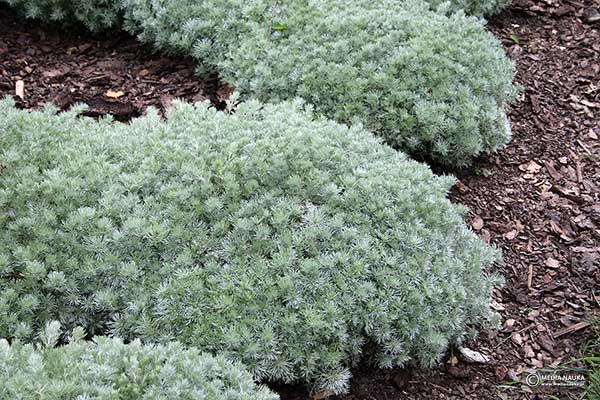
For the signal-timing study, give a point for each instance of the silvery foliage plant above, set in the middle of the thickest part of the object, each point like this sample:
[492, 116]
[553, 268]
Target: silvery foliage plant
[108, 368]
[427, 79]
[94, 15]
[270, 235]
[434, 84]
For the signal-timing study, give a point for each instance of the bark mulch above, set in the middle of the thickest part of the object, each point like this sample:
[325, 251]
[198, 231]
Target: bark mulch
[114, 75]
[538, 199]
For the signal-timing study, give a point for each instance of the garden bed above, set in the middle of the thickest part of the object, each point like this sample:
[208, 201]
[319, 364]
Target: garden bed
[537, 199]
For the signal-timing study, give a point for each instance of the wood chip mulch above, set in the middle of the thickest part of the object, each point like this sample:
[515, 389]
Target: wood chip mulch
[115, 76]
[538, 199]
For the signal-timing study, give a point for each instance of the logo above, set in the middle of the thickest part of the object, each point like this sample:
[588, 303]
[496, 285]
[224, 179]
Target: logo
[533, 380]
[555, 380]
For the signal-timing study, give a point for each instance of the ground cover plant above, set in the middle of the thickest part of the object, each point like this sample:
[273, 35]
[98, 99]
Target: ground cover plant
[434, 85]
[95, 15]
[108, 368]
[273, 237]
[106, 14]
[471, 7]
[507, 191]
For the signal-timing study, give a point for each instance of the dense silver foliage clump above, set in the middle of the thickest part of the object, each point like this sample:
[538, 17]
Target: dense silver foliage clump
[95, 15]
[431, 82]
[434, 85]
[110, 369]
[285, 241]
[471, 7]
[204, 29]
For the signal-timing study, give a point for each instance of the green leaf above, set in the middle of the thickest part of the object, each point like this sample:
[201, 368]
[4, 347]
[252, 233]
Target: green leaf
[279, 27]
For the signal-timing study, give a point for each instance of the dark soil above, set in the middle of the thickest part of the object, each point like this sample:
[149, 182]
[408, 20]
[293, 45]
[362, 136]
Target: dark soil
[116, 76]
[538, 199]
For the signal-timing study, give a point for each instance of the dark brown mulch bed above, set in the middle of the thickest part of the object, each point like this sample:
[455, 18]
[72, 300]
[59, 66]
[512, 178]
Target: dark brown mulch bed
[114, 76]
[537, 199]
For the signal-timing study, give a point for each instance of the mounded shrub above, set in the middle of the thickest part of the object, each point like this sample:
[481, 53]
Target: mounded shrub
[104, 14]
[434, 85]
[472, 7]
[204, 29]
[110, 369]
[273, 237]
[95, 15]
